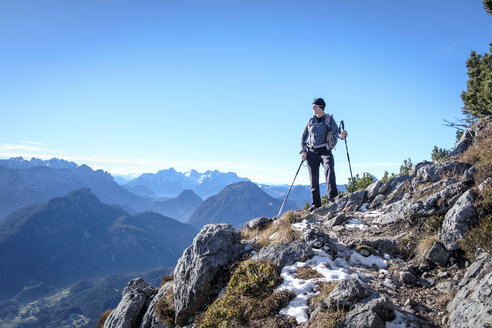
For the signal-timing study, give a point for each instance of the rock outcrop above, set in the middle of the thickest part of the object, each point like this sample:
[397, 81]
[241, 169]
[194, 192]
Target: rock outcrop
[203, 270]
[136, 298]
[472, 305]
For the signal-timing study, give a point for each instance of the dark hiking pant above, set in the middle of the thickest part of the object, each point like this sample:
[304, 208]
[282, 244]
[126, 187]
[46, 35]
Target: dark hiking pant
[323, 156]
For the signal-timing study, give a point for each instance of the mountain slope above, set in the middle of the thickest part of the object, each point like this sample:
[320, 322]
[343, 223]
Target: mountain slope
[76, 237]
[27, 182]
[179, 208]
[236, 204]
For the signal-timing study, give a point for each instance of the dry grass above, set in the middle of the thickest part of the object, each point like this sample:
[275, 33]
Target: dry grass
[280, 229]
[307, 272]
[164, 308]
[293, 216]
[423, 246]
[166, 278]
[331, 318]
[102, 318]
[479, 235]
[480, 154]
[325, 289]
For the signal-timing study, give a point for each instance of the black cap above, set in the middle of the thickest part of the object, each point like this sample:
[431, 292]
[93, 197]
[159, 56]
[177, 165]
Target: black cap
[320, 102]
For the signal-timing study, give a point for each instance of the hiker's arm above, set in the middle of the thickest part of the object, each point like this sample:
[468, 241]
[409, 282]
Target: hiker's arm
[303, 142]
[304, 139]
[334, 127]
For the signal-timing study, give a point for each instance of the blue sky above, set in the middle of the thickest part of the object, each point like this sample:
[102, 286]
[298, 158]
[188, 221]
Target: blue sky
[138, 86]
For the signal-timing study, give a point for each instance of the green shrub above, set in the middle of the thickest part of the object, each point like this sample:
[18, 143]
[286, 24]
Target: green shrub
[249, 298]
[439, 154]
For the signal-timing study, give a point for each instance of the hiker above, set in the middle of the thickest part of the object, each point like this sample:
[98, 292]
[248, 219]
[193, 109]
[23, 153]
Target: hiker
[318, 139]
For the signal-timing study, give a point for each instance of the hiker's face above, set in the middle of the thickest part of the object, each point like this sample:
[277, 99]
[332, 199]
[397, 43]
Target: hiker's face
[318, 111]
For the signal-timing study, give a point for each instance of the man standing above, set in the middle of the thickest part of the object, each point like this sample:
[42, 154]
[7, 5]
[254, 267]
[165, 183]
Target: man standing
[318, 139]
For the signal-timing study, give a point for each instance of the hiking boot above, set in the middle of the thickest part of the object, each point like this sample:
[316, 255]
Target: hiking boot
[313, 207]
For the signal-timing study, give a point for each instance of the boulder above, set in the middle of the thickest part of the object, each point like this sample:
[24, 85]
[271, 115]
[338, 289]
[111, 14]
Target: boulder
[372, 313]
[258, 223]
[135, 299]
[438, 171]
[354, 200]
[472, 304]
[438, 254]
[203, 270]
[346, 293]
[465, 141]
[377, 201]
[150, 319]
[400, 211]
[373, 190]
[285, 253]
[313, 236]
[457, 221]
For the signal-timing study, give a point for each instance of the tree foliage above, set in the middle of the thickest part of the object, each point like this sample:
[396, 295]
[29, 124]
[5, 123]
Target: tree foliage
[487, 4]
[477, 98]
[439, 154]
[406, 167]
[387, 177]
[360, 182]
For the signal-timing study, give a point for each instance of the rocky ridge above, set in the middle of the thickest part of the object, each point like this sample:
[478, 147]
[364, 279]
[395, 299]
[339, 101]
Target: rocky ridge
[386, 256]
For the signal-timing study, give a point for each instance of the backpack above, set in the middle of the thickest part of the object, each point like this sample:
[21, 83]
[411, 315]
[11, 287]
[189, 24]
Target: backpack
[331, 136]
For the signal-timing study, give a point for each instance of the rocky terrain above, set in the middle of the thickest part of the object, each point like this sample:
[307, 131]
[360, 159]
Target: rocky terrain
[411, 252]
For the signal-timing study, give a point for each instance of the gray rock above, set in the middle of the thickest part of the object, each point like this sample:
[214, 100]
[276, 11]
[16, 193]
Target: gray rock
[373, 190]
[438, 254]
[377, 201]
[203, 270]
[401, 211]
[346, 293]
[258, 223]
[484, 184]
[419, 166]
[348, 203]
[438, 171]
[445, 287]
[314, 237]
[388, 187]
[408, 278]
[150, 319]
[457, 221]
[285, 253]
[135, 299]
[472, 304]
[465, 141]
[336, 220]
[372, 314]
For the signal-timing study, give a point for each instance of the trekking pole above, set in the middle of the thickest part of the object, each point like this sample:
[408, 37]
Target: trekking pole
[285, 199]
[348, 157]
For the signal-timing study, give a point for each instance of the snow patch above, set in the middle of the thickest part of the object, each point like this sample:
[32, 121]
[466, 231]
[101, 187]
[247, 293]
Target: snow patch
[369, 261]
[356, 224]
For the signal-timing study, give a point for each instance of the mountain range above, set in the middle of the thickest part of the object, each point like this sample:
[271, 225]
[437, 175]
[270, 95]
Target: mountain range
[25, 182]
[236, 204]
[170, 183]
[77, 237]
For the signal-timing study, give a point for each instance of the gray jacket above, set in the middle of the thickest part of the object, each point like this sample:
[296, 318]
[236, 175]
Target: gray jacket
[315, 134]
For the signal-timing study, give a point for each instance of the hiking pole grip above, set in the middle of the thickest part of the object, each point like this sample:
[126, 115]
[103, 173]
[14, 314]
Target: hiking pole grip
[348, 157]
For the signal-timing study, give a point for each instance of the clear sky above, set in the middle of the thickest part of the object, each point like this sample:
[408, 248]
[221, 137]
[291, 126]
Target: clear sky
[139, 86]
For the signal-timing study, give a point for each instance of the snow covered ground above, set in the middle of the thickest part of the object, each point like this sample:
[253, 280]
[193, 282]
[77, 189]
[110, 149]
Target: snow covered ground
[347, 263]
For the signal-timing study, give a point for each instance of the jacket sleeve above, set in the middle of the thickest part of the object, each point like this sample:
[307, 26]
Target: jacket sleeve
[304, 138]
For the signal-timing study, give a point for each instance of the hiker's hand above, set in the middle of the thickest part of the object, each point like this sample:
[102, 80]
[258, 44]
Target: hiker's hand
[343, 134]
[303, 155]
